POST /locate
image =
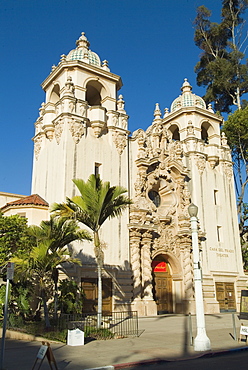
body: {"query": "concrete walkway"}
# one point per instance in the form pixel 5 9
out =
pixel 165 337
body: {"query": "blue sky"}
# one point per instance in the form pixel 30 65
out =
pixel 148 43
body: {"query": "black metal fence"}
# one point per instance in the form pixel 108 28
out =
pixel 114 325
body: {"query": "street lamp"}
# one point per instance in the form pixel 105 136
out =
pixel 201 342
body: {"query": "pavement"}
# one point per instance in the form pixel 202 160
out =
pixel 163 338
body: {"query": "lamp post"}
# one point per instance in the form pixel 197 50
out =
pixel 201 342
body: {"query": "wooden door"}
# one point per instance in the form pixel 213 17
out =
pixel 163 291
pixel 90 290
pixel 226 296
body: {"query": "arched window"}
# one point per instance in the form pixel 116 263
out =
pixel 55 95
pixel 155 197
pixel 204 135
pixel 93 93
pixel 174 129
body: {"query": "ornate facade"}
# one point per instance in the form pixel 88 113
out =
pixel 180 158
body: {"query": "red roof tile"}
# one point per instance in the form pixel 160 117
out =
pixel 34 199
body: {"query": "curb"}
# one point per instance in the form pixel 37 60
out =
pixel 161 361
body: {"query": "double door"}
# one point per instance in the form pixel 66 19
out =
pixel 225 295
pixel 163 291
pixel 90 290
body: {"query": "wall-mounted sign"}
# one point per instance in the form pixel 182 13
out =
pixel 159 266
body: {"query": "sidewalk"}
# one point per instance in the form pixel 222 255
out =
pixel 164 337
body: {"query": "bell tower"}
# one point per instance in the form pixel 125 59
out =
pixel 82 125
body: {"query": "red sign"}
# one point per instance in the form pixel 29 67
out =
pixel 159 266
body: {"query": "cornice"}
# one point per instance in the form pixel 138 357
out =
pixel 80 65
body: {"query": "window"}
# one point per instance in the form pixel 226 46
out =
pixel 97 169
pixel 155 197
pixel 219 233
pixel 22 215
pixel 215 197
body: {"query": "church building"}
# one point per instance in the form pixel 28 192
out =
pixel 182 157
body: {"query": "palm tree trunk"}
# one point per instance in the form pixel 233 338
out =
pixel 47 321
pixel 99 262
pixel 99 306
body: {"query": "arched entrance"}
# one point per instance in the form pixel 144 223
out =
pixel 162 284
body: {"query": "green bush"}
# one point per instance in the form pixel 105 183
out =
pixel 98 333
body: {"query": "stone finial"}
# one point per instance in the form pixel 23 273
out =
pixel 210 109
pixel 53 67
pixel 63 58
pixel 121 104
pixel 157 112
pixel 186 86
pixel 223 139
pixel 166 112
pixel 105 65
pixel 69 86
pixel 42 109
pixel 83 42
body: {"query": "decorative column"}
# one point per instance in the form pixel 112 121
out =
pixel 135 262
pixel 150 307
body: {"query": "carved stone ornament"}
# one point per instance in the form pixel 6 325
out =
pixel 120 141
pixel 166 241
pixel 190 129
pixel 58 129
pixel 201 163
pixel 228 170
pixel 69 86
pixel 82 110
pixel 77 129
pixel 37 145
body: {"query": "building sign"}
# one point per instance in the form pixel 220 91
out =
pixel 244 305
pixel 159 266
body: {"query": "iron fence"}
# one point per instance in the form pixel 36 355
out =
pixel 113 325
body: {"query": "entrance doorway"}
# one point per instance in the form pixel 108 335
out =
pixel 89 286
pixel 225 295
pixel 162 285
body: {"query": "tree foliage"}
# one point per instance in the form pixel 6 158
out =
pixel 97 202
pixel 14 236
pixel 222 67
pixel 49 250
pixel 236 130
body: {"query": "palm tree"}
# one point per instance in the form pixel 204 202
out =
pixel 97 202
pixel 49 251
pixel 61 232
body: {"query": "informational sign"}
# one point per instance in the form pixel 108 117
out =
pixel 159 266
pixel 45 351
pixel 244 330
pixel 42 352
pixel 10 270
pixel 75 337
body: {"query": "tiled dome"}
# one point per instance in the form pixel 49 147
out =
pixel 83 53
pixel 187 99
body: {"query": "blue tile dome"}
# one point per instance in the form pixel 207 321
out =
pixel 187 99
pixel 83 53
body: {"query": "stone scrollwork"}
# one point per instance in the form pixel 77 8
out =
pixel 120 141
pixel 77 129
pixel 37 145
pixel 228 170
pixel 58 129
pixel 201 163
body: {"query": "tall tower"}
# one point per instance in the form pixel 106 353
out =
pixel 82 127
